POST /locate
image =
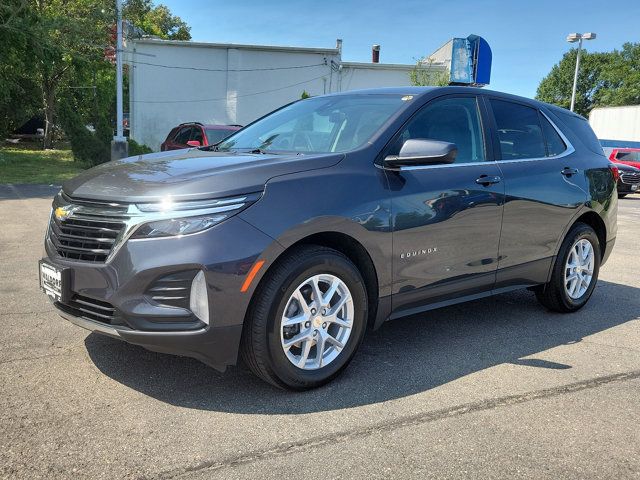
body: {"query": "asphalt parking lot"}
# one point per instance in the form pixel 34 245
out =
pixel 497 388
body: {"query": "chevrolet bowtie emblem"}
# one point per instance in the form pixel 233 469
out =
pixel 62 213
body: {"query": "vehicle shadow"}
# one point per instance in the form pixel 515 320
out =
pixel 404 357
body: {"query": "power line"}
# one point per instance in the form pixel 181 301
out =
pixel 225 98
pixel 202 69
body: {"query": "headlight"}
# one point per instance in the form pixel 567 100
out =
pixel 186 217
pixel 177 226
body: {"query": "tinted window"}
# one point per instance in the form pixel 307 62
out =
pixel 519 130
pixel 183 136
pixel 453 120
pixel 197 134
pixel 554 143
pixel 581 128
pixel 628 156
pixel 216 135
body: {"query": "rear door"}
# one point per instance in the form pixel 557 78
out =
pixel 446 218
pixel 545 187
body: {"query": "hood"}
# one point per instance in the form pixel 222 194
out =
pixel 626 163
pixel 188 174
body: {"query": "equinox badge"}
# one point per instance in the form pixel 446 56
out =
pixel 415 253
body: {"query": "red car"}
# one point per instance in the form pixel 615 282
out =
pixel 628 156
pixel 196 134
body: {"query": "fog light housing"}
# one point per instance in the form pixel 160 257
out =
pixel 198 298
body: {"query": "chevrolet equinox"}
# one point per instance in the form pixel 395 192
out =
pixel 285 242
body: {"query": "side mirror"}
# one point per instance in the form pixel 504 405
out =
pixel 419 151
pixel 193 143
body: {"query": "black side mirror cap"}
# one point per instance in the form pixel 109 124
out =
pixel 419 151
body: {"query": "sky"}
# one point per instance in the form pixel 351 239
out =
pixel 527 37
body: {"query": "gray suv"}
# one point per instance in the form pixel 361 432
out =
pixel 285 242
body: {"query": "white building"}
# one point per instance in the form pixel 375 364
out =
pixel 616 123
pixel 172 82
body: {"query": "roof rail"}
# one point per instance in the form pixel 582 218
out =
pixel 190 123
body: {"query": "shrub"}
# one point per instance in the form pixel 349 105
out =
pixel 88 148
pixel 137 149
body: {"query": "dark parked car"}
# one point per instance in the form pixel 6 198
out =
pixel 628 179
pixel 327 217
pixel 196 134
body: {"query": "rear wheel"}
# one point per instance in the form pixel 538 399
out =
pixel 575 271
pixel 307 319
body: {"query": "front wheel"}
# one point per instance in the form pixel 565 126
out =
pixel 307 319
pixel 575 271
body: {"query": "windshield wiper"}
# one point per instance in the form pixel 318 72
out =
pixel 210 148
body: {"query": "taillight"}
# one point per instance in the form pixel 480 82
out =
pixel 615 172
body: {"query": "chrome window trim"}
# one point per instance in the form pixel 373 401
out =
pixel 133 217
pixel 568 151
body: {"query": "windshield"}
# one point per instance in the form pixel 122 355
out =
pixel 319 125
pixel 214 135
pixel 628 156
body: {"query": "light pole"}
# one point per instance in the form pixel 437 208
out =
pixel 572 38
pixel 119 144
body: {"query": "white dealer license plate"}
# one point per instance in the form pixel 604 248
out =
pixel 52 281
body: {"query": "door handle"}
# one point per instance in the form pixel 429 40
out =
pixel 487 180
pixel 567 171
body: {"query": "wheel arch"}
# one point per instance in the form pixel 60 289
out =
pixel 354 251
pixel 594 220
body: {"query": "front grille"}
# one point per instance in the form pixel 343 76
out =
pixel 90 309
pixel 172 290
pixel 89 233
pixel 630 178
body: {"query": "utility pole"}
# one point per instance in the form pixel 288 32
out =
pixel 119 145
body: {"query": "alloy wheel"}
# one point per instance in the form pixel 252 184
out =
pixel 578 271
pixel 317 322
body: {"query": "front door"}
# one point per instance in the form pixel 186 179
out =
pixel 446 218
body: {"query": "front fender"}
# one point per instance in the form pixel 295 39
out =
pixel 352 203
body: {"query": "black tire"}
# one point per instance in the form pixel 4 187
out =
pixel 553 295
pixel 261 348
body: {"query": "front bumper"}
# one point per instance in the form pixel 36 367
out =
pixel 628 187
pixel 225 253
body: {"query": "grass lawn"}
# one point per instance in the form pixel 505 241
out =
pixel 25 164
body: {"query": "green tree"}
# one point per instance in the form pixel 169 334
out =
pixel 425 74
pixel 604 79
pixel 54 49
pixel 623 77
pixel 19 96
pixel 72 37
pixel 156 20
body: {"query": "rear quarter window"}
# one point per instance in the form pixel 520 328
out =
pixel 581 128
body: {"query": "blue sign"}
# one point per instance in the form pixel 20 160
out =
pixel 470 61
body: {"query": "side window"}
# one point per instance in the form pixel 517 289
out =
pixel 183 136
pixel 580 127
pixel 553 141
pixel 454 120
pixel 197 134
pixel 519 130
